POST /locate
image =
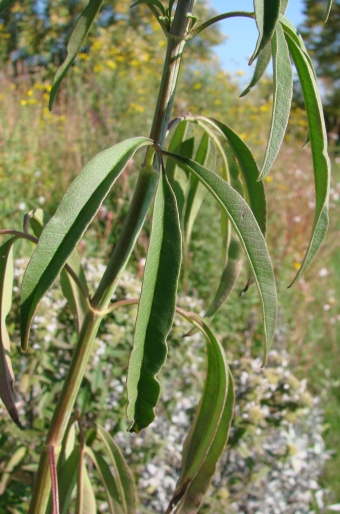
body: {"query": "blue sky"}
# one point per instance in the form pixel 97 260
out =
pixel 235 52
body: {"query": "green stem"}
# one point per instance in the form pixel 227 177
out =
pixel 133 223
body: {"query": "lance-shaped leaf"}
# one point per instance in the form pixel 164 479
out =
pixel 209 431
pixel 67 480
pixel 283 92
pixel 197 192
pixel 6 372
pixel 156 308
pixel 5 4
pixel 261 65
pixel 38 218
pixel 182 143
pixel 86 501
pixel 123 476
pixel 108 481
pixel 248 167
pixel 156 3
pixel 266 15
pixel 251 237
pixel 77 39
pixel 318 140
pixel 229 276
pixel 65 229
pixel 329 6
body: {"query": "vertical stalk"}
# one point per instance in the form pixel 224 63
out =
pixel 133 223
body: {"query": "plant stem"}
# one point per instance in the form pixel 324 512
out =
pixel 133 223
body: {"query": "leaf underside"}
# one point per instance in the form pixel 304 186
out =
pixel 65 229
pixel 266 15
pixel 156 308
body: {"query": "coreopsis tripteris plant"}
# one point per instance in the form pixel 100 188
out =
pixel 175 178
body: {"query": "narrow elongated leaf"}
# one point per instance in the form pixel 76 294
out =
pixel 283 92
pixel 107 480
pixel 182 143
pixel 67 480
pixel 266 14
pixel 318 140
pixel 77 39
pixel 248 167
pixel 5 4
pixel 229 277
pixel 13 462
pixel 251 237
pixel 329 6
pixel 197 191
pixel 156 3
pixel 209 431
pixel 261 65
pixel 156 309
pixel 86 498
pixel 38 218
pixel 123 476
pixel 63 232
pixel 6 372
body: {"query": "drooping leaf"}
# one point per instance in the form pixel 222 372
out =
pixel 6 372
pixel 248 167
pixel 8 469
pixel 65 229
pixel 329 6
pixel 261 65
pixel 283 92
pixel 67 480
pixel 86 497
pixel 182 143
pixel 197 192
pixel 318 140
pixel 5 4
pixel 77 39
pixel 266 15
pixel 156 309
pixel 156 3
pixel 123 476
pixel 251 237
pixel 38 218
pixel 229 276
pixel 108 481
pixel 209 431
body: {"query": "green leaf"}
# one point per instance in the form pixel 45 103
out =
pixel 261 65
pixel 65 229
pixel 6 372
pixel 248 167
pixel 229 277
pixel 38 218
pixel 124 478
pixel 197 191
pixel 283 92
pixel 182 143
pixel 86 497
pixel 5 4
pixel 156 309
pixel 210 429
pixel 8 469
pixel 251 237
pixel 156 3
pixel 318 141
pixel 266 14
pixel 283 7
pixel 67 479
pixel 77 39
pixel 107 480
pixel 329 6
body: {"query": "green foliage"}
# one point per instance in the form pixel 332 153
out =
pixel 183 181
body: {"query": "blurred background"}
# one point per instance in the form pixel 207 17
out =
pixel 284 453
